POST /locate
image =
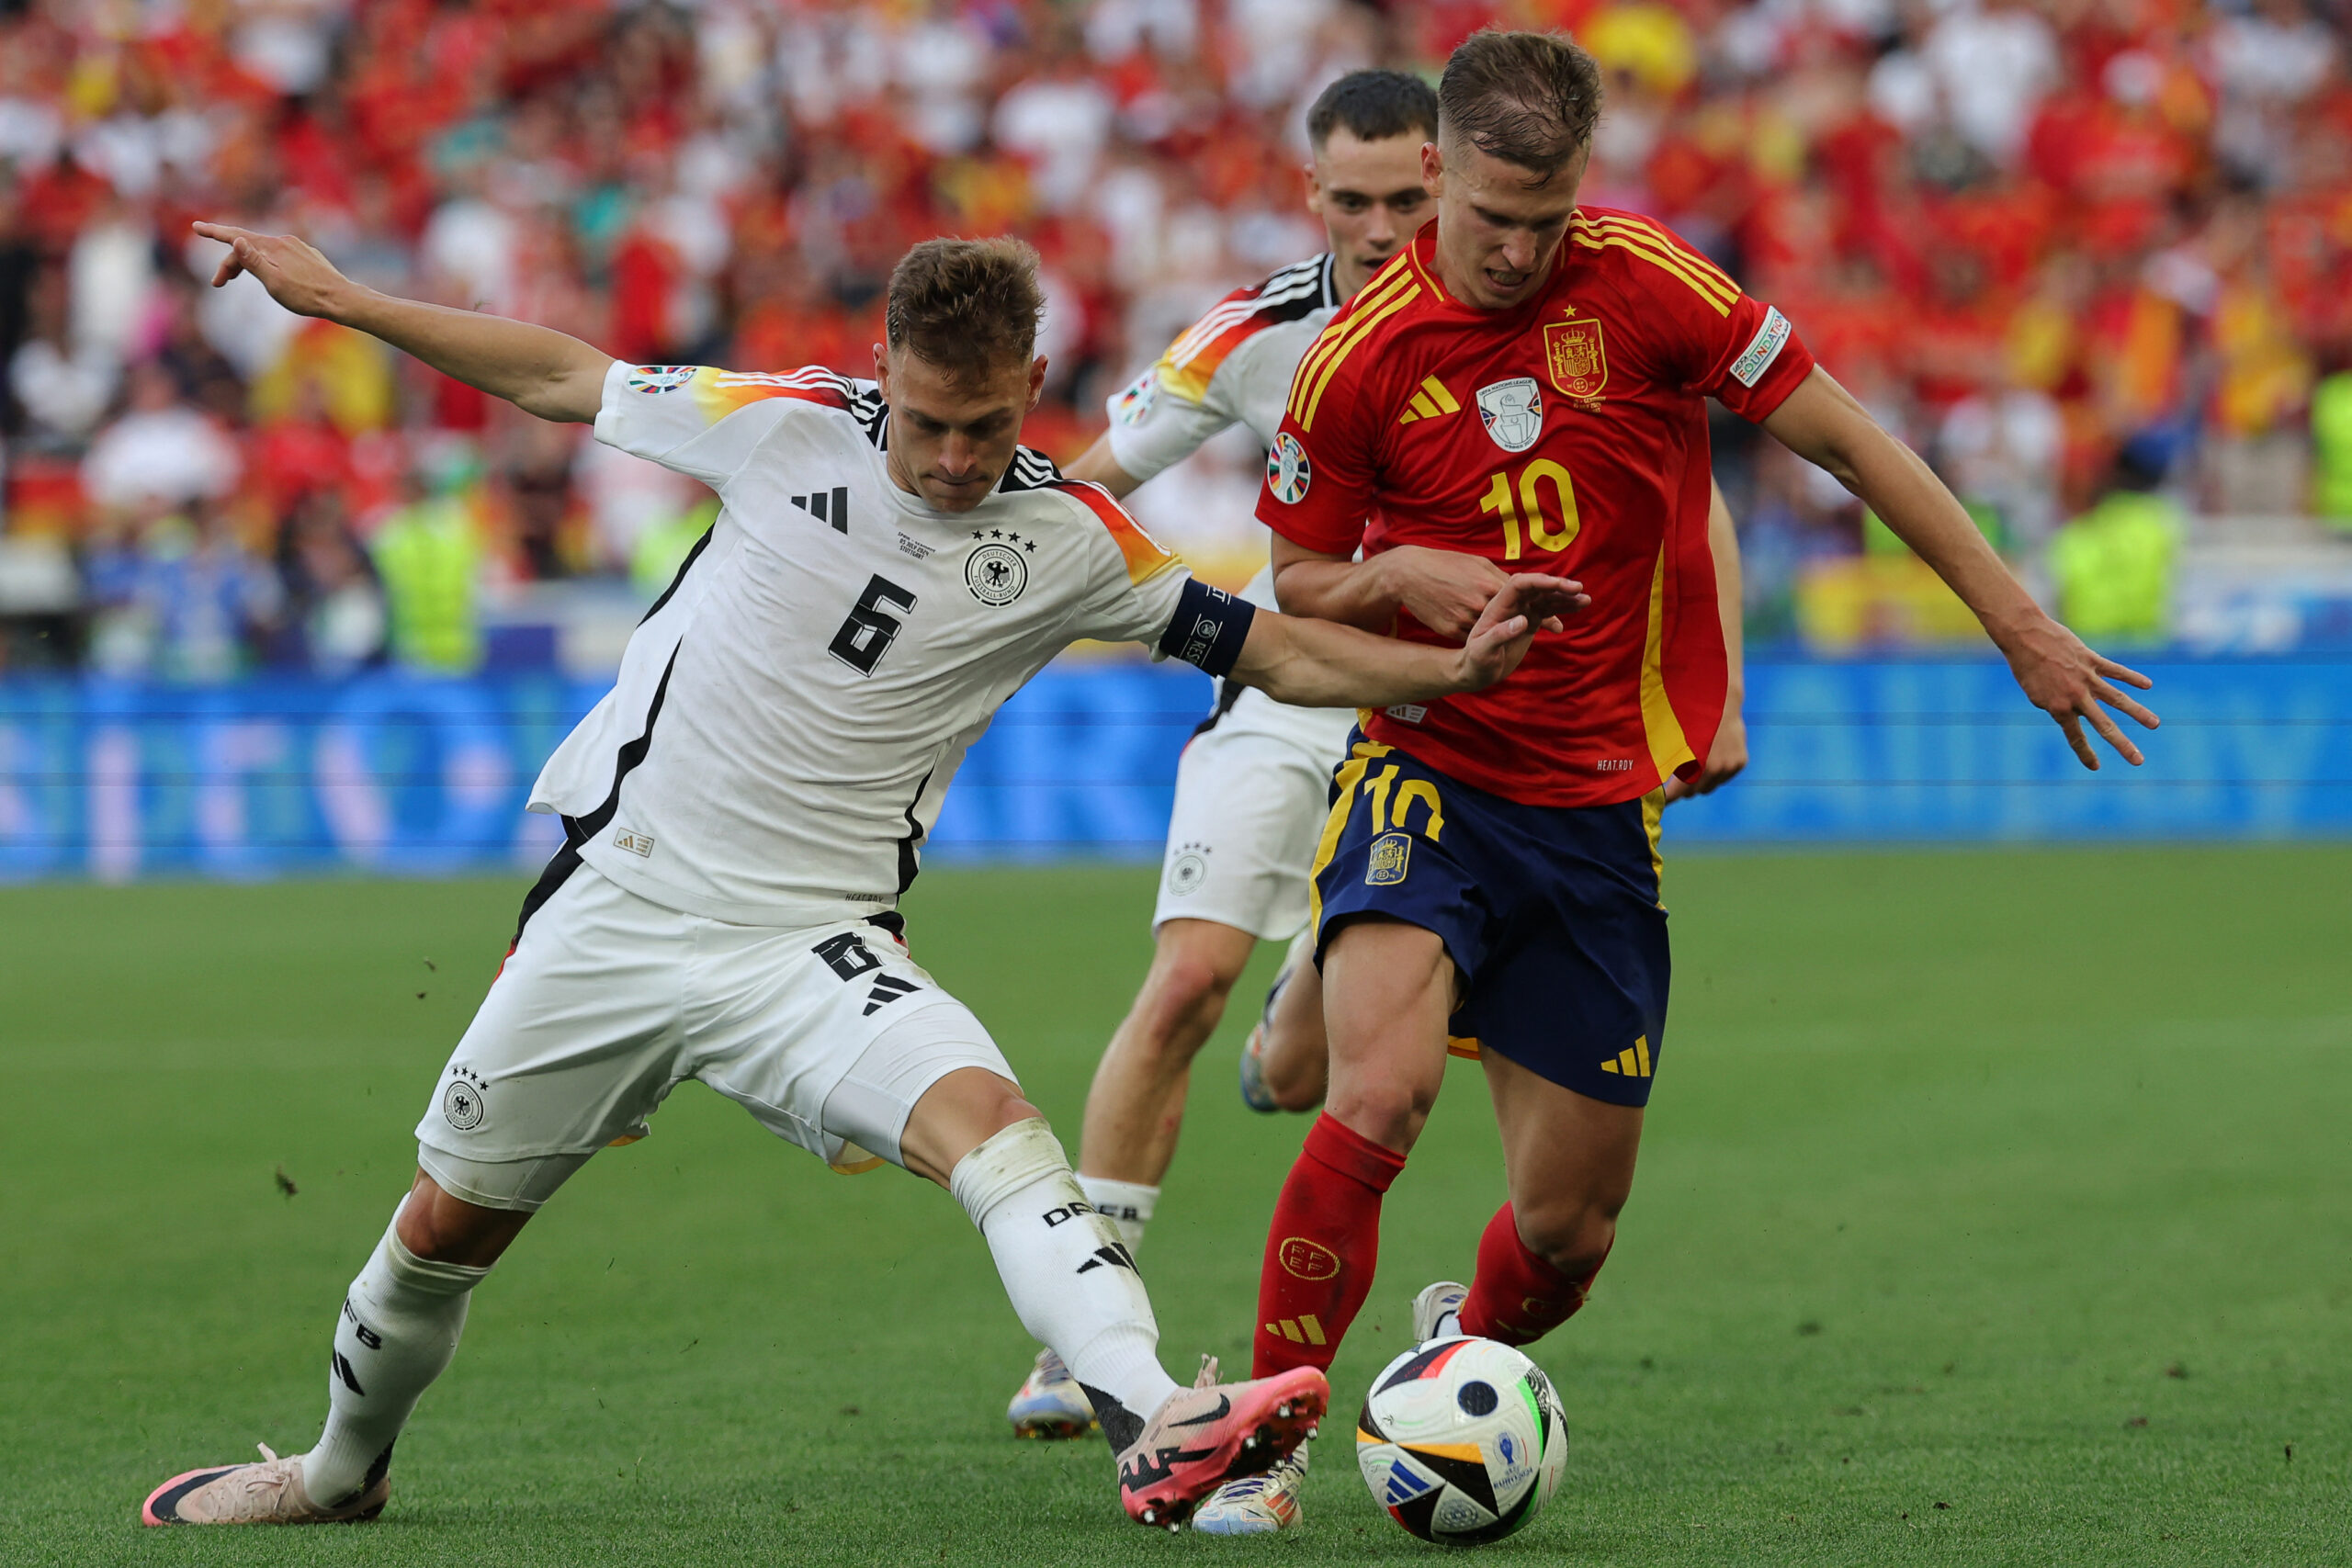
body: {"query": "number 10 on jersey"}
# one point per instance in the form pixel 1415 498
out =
pixel 1553 526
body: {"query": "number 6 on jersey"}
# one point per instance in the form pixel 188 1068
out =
pixel 867 635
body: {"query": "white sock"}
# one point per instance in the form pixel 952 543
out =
pixel 1070 1277
pixel 398 1328
pixel 1126 1204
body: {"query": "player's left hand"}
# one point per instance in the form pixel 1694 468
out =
pixel 1727 759
pixel 1507 627
pixel 2068 681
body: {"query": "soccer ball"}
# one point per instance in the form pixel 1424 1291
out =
pixel 1462 1440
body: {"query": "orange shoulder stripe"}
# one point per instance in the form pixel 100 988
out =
pixel 1145 558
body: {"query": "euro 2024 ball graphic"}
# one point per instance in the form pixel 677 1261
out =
pixel 1462 1440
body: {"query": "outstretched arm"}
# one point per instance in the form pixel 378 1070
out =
pixel 1821 423
pixel 1099 465
pixel 1315 663
pixel 537 370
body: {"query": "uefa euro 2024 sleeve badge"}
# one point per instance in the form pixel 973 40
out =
pixel 660 377
pixel 1513 412
pixel 1288 473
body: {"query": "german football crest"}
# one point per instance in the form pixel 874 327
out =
pixel 996 574
pixel 1513 412
pixel 1572 352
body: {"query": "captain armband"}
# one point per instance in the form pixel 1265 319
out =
pixel 1208 628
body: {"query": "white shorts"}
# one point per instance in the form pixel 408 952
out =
pixel 827 1036
pixel 1253 792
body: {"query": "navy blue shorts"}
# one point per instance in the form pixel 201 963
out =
pixel 1551 914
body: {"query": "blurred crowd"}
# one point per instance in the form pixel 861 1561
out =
pixel 2061 247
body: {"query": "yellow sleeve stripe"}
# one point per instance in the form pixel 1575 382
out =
pixel 1359 330
pixel 1660 239
pixel 1593 238
pixel 1342 336
pixel 1379 289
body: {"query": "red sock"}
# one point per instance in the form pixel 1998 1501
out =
pixel 1516 1297
pixel 1322 1247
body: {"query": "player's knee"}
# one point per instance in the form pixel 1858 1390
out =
pixel 440 1227
pixel 1572 1236
pixel 1183 1003
pixel 1389 1110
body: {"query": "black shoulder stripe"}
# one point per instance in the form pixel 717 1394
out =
pixel 1030 470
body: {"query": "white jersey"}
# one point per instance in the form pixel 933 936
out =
pixel 789 714
pixel 1234 366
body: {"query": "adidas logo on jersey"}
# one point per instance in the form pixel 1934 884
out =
pixel 832 509
pixel 1430 401
pixel 1633 1061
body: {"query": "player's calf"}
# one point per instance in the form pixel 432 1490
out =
pixel 1518 1295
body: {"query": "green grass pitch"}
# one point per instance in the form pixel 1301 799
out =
pixel 1997 1209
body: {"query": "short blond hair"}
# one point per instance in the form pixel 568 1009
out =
pixel 967 306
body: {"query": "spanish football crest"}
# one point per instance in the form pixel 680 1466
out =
pixel 1513 410
pixel 1572 352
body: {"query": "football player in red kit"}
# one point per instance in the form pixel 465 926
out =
pixel 1523 390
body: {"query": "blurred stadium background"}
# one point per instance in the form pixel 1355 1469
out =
pixel 272 599
pixel 1999 1198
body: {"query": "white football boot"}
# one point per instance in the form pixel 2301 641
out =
pixel 1256 1504
pixel 1253 1505
pixel 270 1493
pixel 1051 1404
pixel 1437 1311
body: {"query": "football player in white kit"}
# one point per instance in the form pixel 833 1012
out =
pixel 1253 787
pixel 743 810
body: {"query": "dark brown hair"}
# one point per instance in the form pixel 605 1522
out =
pixel 1373 106
pixel 967 305
pixel 1527 98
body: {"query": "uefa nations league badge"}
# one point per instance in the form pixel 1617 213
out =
pixel 1513 412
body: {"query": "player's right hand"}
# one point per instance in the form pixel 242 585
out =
pixel 296 275
pixel 1505 627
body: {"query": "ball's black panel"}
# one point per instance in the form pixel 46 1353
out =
pixel 1366 1422
pixel 1420 1365
pixel 1476 1397
pixel 1502 1527
pixel 1415 1516
pixel 1467 1476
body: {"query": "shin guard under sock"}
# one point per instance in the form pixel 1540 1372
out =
pixel 1321 1249
pixel 1517 1297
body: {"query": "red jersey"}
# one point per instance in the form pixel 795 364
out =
pixel 1566 435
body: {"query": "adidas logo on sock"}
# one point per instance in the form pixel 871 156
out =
pixel 888 988
pixel 1113 1255
pixel 1302 1330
